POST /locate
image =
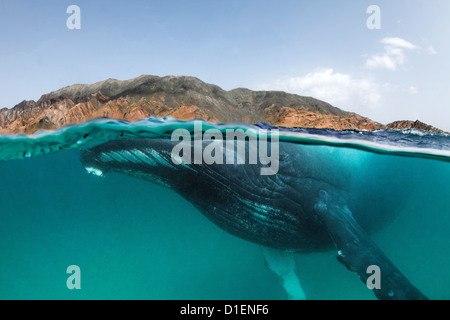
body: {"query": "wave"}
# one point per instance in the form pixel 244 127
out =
pixel 404 142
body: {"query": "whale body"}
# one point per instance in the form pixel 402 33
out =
pixel 306 206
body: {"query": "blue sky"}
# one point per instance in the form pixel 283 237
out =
pixel 316 48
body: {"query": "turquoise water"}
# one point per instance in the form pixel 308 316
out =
pixel 136 240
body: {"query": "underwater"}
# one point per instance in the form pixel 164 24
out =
pixel 85 196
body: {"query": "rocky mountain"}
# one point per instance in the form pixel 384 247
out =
pixel 183 98
pixel 407 124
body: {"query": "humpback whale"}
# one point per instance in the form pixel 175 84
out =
pixel 305 207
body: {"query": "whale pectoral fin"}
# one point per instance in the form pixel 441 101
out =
pixel 282 263
pixel 358 252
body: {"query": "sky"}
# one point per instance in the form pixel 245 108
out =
pixel 322 49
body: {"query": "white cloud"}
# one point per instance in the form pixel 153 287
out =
pixel 399 43
pixel 384 61
pixel 431 50
pixel 393 55
pixel 339 89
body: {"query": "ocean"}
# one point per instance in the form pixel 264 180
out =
pixel 133 239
